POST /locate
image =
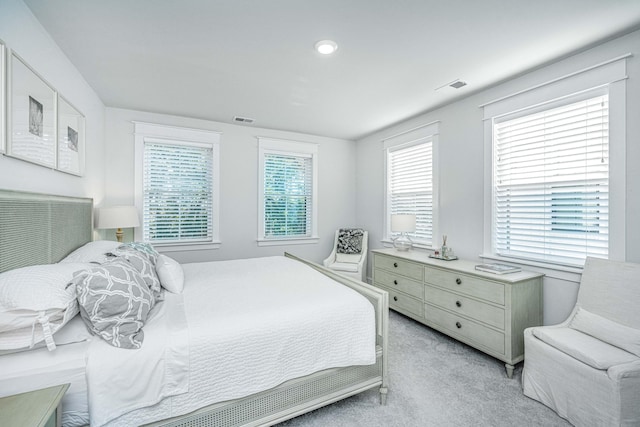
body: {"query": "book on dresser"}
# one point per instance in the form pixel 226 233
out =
pixel 486 311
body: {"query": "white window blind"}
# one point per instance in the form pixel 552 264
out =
pixel 178 192
pixel 288 195
pixel 410 186
pixel 551 183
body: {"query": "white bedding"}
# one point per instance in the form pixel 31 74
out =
pixel 256 323
pixel 252 325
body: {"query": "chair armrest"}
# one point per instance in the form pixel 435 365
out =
pixel 629 370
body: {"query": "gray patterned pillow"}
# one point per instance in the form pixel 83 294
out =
pixel 114 302
pixel 144 263
pixel 350 240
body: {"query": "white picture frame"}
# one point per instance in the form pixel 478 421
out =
pixel 3 97
pixel 31 115
pixel 71 133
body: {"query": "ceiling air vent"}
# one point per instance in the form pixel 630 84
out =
pixel 243 120
pixel 458 84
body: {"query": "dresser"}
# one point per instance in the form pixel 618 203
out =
pixel 39 408
pixel 484 310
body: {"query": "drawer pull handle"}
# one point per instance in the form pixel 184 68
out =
pixel 395 265
pixel 458 325
pixel 395 298
pixel 458 304
pixel 459 281
pixel 395 282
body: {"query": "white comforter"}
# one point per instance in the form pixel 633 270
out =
pixel 252 324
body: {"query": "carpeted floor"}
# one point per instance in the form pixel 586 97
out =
pixel 436 381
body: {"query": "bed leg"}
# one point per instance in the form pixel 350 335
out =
pixel 383 395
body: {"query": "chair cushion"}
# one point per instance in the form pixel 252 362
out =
pixel 350 258
pixel 583 347
pixel 607 330
pixel 350 241
pixel 344 266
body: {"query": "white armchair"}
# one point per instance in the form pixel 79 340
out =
pixel 587 368
pixel 348 257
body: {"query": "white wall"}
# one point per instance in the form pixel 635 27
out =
pixel 461 167
pixel 239 183
pixel 22 33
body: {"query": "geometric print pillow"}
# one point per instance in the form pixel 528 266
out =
pixel 145 264
pixel 350 240
pixel 114 302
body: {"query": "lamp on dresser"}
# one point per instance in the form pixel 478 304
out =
pixel 118 217
pixel 403 223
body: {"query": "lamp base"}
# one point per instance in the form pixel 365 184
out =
pixel 402 243
pixel 119 235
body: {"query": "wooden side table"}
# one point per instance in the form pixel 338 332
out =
pixel 39 408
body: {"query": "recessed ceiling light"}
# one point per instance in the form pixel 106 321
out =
pixel 326 47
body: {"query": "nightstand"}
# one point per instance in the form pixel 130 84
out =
pixel 39 408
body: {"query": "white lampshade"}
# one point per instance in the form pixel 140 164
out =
pixel 403 223
pixel 118 217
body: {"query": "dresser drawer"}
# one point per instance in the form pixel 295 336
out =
pixel 460 327
pixel 404 302
pixel 477 310
pixel 399 283
pixel 470 285
pixel 399 266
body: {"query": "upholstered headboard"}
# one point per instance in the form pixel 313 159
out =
pixel 41 228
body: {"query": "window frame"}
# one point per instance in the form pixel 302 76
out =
pixel 293 149
pixel 607 76
pixel 148 132
pixel 421 134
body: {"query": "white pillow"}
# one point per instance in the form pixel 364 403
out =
pixel 92 252
pixel 607 330
pixel 73 332
pixel 170 274
pixel 350 258
pixel 35 302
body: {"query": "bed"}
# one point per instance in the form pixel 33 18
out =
pixel 43 229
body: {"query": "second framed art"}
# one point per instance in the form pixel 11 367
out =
pixel 70 138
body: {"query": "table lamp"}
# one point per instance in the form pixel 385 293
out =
pixel 403 223
pixel 118 217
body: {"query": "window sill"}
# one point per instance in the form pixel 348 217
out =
pixel 289 241
pixel 181 247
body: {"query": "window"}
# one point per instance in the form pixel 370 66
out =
pixel 551 182
pixel 176 184
pixel 410 181
pixel 287 202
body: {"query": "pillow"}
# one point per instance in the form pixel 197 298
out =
pixel 170 274
pixel 114 302
pixel 73 332
pixel 607 330
pixel 144 248
pixel 92 252
pixel 35 302
pixel 350 240
pixel 145 264
pixel 348 258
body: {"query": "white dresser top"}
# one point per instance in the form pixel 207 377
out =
pixel 459 265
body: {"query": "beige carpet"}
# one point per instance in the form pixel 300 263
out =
pixel 436 381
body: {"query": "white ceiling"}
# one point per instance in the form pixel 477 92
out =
pixel 214 59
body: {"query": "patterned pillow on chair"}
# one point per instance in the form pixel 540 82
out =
pixel 350 240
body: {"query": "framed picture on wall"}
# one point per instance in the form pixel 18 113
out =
pixel 3 97
pixel 70 138
pixel 31 118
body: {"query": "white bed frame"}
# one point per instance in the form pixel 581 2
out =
pixel 40 229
